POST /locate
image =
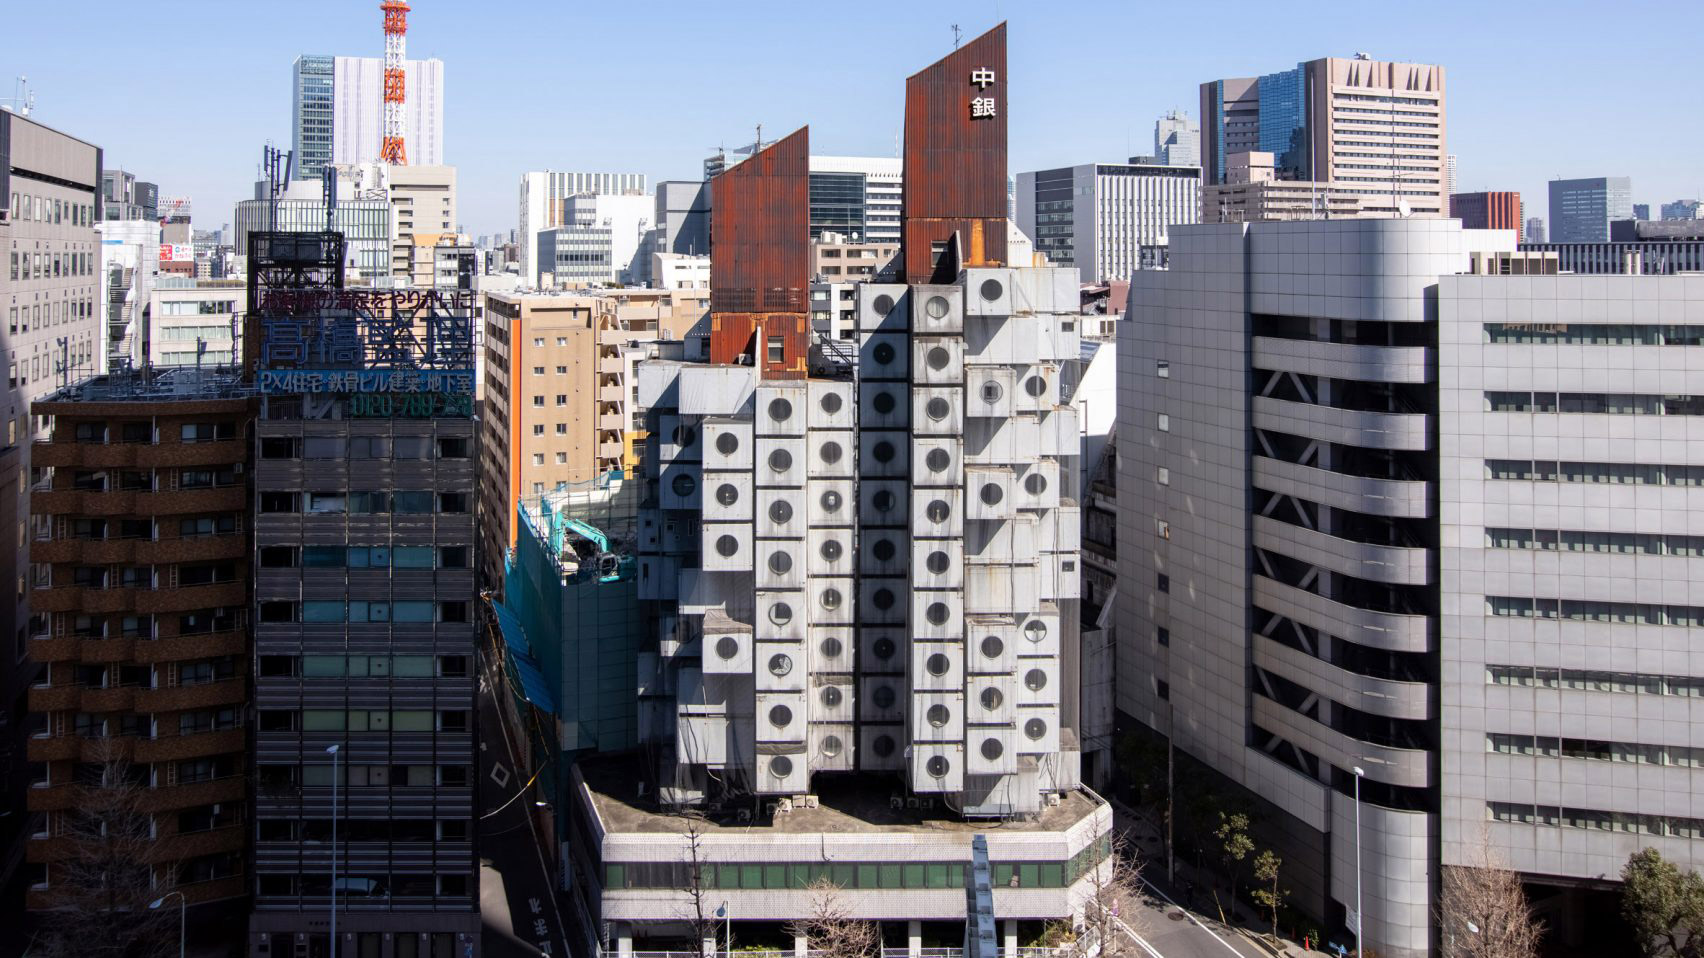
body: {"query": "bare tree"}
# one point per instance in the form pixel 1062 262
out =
pixel 830 931
pixel 102 889
pixel 702 919
pixel 1112 904
pixel 1483 911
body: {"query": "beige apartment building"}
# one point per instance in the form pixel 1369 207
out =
pixel 1370 128
pixel 559 386
pixel 423 215
pixel 1252 193
pixel 836 260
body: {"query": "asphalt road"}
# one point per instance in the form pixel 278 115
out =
pixel 1163 929
pixel 517 899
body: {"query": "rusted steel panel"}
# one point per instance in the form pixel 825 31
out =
pixel 777 343
pixel 760 260
pixel 955 156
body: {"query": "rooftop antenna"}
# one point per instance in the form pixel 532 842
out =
pixel 956 35
pixel 23 98
pixel 328 188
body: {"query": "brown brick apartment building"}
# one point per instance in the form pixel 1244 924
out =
pixel 140 584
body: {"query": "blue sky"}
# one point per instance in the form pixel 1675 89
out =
pixel 185 92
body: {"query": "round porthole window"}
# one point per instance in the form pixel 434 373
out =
pixel 992 493
pixel 780 410
pixel 937 408
pixel 937 562
pixel 991 698
pixel 780 460
pixel 683 485
pixel 882 746
pixel 991 392
pixel 992 646
pixel 1035 728
pixel 884 501
pixel 830 501
pixel 831 745
pixel 992 289
pixel 831 648
pixel 937 664
pixel 1036 631
pixel 780 613
pixel 830 599
pixel 781 512
pixel 727 443
pixel 884 648
pixel 727 494
pixel 780 716
pixel 726 546
pixel 831 696
pixel 882 599
pixel 937 613
pixel 992 749
pixel 883 550
pixel 937 307
pixel 883 304
pixel 937 766
pixel 883 697
pixel 831 452
pixel 938 460
pixel 883 451
pixel 1035 483
pixel 1035 680
pixel 780 766
pixel 938 715
pixel 829 403
pixel 883 403
pixel 1035 386
pixel 883 353
pixel 727 646
pixel 830 550
pixel 938 511
pixel 780 563
pixel 938 358
pixel 780 664
pixel 685 436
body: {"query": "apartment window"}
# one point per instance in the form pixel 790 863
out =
pixel 452 502
pixel 561 458
pixel 562 370
pixel 538 458
pixel 1164 582
pixel 1164 422
pixel 539 430
pixel 1163 688
pixel 1164 476
pixel 1162 369
pixel 560 341
pixel 452 447
pixel 777 349
pixel 561 399
pixel 538 370
pixel 539 341
pixel 561 429
pixel 209 431
pixel 452 557
pixel 1163 636
pixel 538 401
pixel 280 447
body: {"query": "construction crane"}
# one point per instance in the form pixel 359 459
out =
pixel 393 151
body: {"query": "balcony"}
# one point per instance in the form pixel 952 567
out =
pixel 99 651
pixel 188 697
pixel 1376 497
pixel 88 455
pixel 197 745
pixel 614 393
pixel 1393 766
pixel 1391 631
pixel 116 551
pixel 54 748
pixel 171 848
pixel 117 699
pixel 179 648
pixel 189 597
pixel 193 795
pixel 1376 364
pixel 1383 697
pixel 1402 565
pixel 1350 427
pixel 47 648
pixel 83 502
pixel 60 698
pixel 43 797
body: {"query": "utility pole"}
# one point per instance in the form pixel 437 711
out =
pixel 1171 752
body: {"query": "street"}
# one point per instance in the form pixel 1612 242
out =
pixel 516 891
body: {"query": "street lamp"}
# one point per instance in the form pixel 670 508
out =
pixel 183 908
pixel 332 751
pixel 1360 918
pixel 727 915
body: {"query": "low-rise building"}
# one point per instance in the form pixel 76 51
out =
pixel 194 322
pixel 1252 193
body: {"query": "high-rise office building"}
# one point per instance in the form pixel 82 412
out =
pixel 124 197
pixel 1370 127
pixel 683 217
pixel 1097 217
pixel 366 598
pixel 313 86
pixel 1641 211
pixel 139 597
pixel 858 197
pixel 860 585
pixel 544 204
pixel 1177 140
pixel 1682 210
pixel 1288 626
pixel 1534 230
pixel 1488 211
pixel 1581 210
pixel 1450 175
pixel 50 201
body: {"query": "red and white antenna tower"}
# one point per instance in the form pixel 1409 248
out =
pixel 393 151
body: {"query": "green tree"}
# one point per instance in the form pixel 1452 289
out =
pixel 1268 895
pixel 1665 906
pixel 1234 846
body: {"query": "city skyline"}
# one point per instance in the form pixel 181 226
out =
pixel 497 105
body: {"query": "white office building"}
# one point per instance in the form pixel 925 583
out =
pixel 358 115
pixel 544 199
pixel 857 196
pixel 195 322
pixel 129 268
pixel 1097 217
pixel 1177 140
